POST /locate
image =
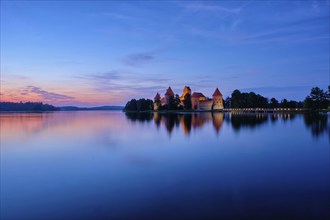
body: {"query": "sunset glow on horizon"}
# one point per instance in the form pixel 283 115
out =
pixel 93 53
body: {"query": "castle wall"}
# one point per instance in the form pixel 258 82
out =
pixel 217 103
pixel 205 105
pixel 195 103
pixel 198 100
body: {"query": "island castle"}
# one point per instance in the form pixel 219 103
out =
pixel 198 100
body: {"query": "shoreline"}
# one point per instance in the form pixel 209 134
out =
pixel 186 111
pixel 259 110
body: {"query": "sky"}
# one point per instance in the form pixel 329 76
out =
pixel 93 53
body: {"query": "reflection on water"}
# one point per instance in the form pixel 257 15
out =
pixel 239 121
pixel 317 123
pixel 115 165
pixel 139 117
pixel 186 121
pixel 31 123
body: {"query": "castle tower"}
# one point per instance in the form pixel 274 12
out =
pixel 169 93
pixel 217 100
pixel 157 101
pixel 186 90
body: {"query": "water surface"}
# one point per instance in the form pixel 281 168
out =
pixel 112 165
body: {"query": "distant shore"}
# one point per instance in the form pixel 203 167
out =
pixel 259 110
pixel 178 111
pixel 41 107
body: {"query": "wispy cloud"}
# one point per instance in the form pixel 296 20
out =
pixel 291 25
pixel 122 84
pixel 119 16
pixel 113 15
pixel 105 76
pixel 34 94
pixel 46 95
pixel 138 59
pixel 206 7
pixel 141 58
pixel 287 34
pixel 13 79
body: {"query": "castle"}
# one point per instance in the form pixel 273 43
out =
pixel 198 100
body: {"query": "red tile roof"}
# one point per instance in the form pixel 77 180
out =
pixel 157 97
pixel 217 93
pixel 169 91
pixel 197 95
pixel 187 88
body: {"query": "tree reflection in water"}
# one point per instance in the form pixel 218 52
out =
pixel 187 121
pixel 317 123
pixel 241 120
pixel 139 116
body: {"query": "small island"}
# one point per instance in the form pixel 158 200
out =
pixel 317 100
pixel 188 101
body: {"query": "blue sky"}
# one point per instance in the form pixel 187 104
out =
pixel 89 53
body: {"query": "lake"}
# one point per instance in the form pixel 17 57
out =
pixel 112 165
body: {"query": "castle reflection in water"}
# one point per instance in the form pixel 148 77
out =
pixel 318 124
pixel 188 121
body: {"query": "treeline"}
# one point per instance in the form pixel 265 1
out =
pixel 174 103
pixel 148 105
pixel 139 105
pixel 26 106
pixel 316 100
pixel 253 100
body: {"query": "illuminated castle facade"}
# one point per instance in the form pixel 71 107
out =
pixel 198 100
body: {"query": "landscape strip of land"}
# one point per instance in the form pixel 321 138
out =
pixel 41 107
pixel 317 100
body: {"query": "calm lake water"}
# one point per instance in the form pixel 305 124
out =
pixel 112 165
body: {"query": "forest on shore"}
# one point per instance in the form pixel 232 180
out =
pixel 27 106
pixel 40 107
pixel 318 99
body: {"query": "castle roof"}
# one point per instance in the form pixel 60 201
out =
pixel 186 90
pixel 197 95
pixel 157 97
pixel 217 93
pixel 187 87
pixel 169 91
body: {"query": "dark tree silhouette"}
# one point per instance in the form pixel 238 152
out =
pixel 174 103
pixel 187 105
pixel 318 99
pixel 139 105
pixel 273 103
pixel 284 103
pixel 131 105
pixel 227 102
pixel 248 100
pixel 236 99
pixel 27 106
